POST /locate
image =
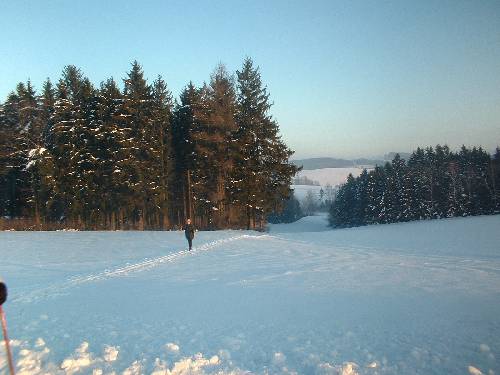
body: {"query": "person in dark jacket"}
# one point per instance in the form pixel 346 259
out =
pixel 189 232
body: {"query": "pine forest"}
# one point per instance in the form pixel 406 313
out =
pixel 129 156
pixel 434 183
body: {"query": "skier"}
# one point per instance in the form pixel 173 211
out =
pixel 189 232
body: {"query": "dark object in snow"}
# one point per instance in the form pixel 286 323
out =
pixel 189 232
pixel 3 298
pixel 3 293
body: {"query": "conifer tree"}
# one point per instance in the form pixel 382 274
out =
pixel 137 107
pixel 435 183
pixel 64 148
pixel 495 179
pixel 361 199
pixel 114 149
pixel 261 175
pixel 484 191
pixel 343 210
pixel 214 143
pixel 47 101
pixel 292 211
pixel 9 120
pixel 29 124
pixel 162 150
pixel 441 181
pixel 400 190
pixel 103 158
pixel 88 159
pixel 202 174
pixel 27 142
pixel 418 174
pixel 186 134
pixel 40 170
pixel 39 166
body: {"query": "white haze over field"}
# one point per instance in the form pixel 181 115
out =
pixel 332 176
pixel 300 191
pixel 324 176
pixel 412 298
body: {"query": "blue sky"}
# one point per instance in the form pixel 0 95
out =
pixel 351 78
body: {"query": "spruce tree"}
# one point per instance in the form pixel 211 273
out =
pixel 418 174
pixel 27 142
pixel 47 101
pixel 377 196
pixel 189 188
pixel 9 120
pixel 400 186
pixel 114 149
pixel 261 175
pixel 63 134
pixel 435 183
pixel 203 173
pixel 213 139
pixel 466 178
pixel 495 179
pixel 361 199
pixel 292 211
pixel 343 210
pixel 162 151
pixel 484 191
pixel 442 180
pixel 137 108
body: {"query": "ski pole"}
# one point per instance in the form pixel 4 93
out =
pixel 3 297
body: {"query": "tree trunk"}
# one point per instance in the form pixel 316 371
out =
pixel 113 220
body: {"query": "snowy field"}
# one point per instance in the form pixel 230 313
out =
pixel 414 298
pixel 332 176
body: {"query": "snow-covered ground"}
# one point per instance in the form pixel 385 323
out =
pixel 414 298
pixel 332 176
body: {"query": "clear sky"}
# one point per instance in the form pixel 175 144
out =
pixel 350 78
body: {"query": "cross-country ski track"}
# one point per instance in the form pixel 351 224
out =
pixel 146 264
pixel 407 298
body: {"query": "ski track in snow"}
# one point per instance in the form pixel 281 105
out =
pixel 360 301
pixel 454 272
pixel 59 288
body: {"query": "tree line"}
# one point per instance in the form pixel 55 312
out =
pixel 88 157
pixel 434 183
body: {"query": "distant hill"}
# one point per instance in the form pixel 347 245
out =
pixel 320 163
